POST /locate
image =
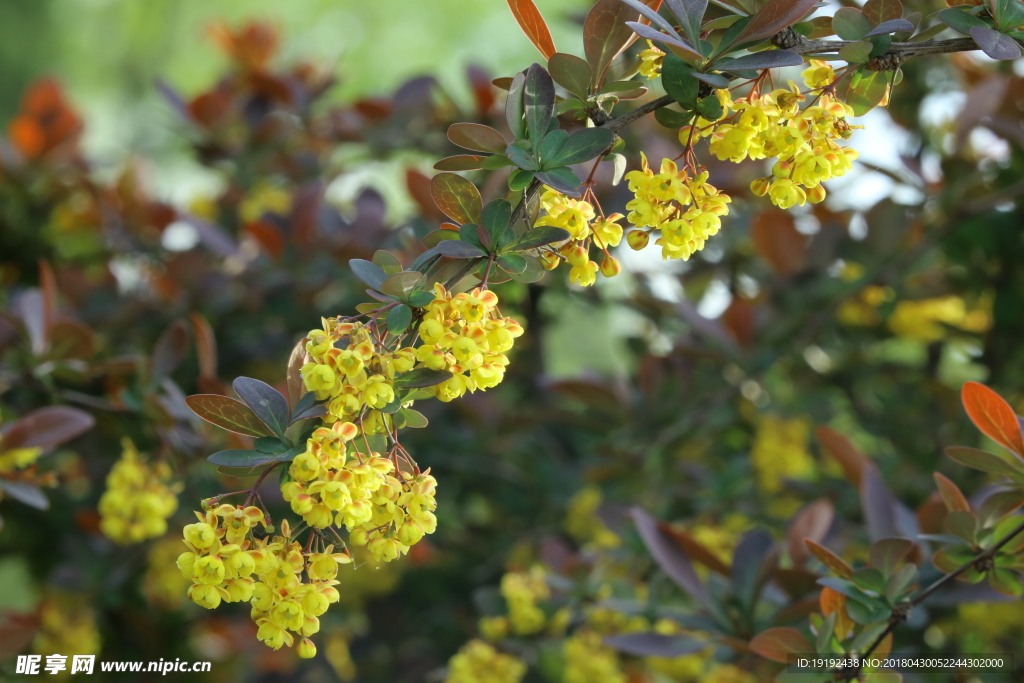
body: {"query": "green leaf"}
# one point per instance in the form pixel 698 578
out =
pixel 856 53
pixel 984 461
pixel 900 581
pixel 514 106
pixel 496 217
pixel 370 273
pixel 581 146
pixel 401 284
pixel 572 73
pixel 457 197
pixel 539 237
pixel 228 413
pixel 400 316
pixel 433 238
pixel 710 108
pixel 551 144
pixel 961 524
pixel 413 418
pixel 421 377
pixel 520 179
pixel 671 118
pixel 849 23
pixel 270 445
pixel 714 80
pixel 534 271
pixel 496 161
pixel 961 21
pixel 538 102
pixel 470 234
pixel 869 579
pixel 868 91
pixel 420 298
pixel 378 443
pixel 621 86
pixel 521 158
pixel 561 179
pixel 477 137
pixel 241 458
pixel 1009 14
pixel 678 81
pixel 512 263
pixel 388 262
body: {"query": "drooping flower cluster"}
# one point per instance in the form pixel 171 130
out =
pixel 588 659
pixel 139 498
pixel 522 591
pixel 780 452
pixel 804 142
pixel 478 662
pixel 577 217
pixel 223 555
pixel 685 208
pixel 383 508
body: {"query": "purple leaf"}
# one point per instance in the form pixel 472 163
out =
pixel 878 504
pixel 645 31
pixel 654 645
pixel 670 557
pixel 769 59
pixel 995 44
pixel 891 26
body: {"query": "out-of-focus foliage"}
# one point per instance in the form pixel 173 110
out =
pixel 798 378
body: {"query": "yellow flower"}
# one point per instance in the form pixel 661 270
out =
pixel 138 500
pixel 651 60
pixel 479 662
pixel 818 74
pixel 780 452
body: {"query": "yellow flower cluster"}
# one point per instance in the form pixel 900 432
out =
pixel 588 659
pixel 67 625
pixel 223 555
pixel 780 452
pixel 684 208
pixel 139 498
pixel 583 522
pixel 384 509
pixel 461 333
pixel 522 591
pixel 925 319
pixel 650 61
pixel 577 217
pixel 803 142
pixel 478 662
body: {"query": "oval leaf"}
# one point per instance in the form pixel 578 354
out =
pixel 891 26
pixel 459 249
pixel 398 319
pixel 46 428
pixel 995 44
pixel 477 137
pixel 769 59
pixel 228 413
pixel 991 414
pixel 538 237
pixel 457 197
pixel 772 18
pixel 369 272
pixel 654 645
pixel 571 72
pixel 606 33
pixel 777 644
pixel 421 377
pixel 581 146
pixel 241 458
pixel 460 162
pixel 270 406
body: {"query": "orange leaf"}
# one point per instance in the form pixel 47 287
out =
pixel 812 522
pixel 951 494
pixel 532 23
pixel 993 416
pixel 834 601
pixel 27 136
pixel 739 320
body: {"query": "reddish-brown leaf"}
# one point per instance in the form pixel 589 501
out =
pixel 605 34
pixel 828 558
pixel 268 236
pixel 71 340
pixel 772 18
pixel 777 643
pixel 846 454
pixel 993 416
pixel 169 351
pixel 877 11
pixel 46 428
pixel 778 241
pixel 931 514
pixel 951 494
pixel 228 413
pixel 48 286
pixel 738 319
pixel 813 522
pixel 670 557
pixel 532 23
pixel 419 189
pixel 457 197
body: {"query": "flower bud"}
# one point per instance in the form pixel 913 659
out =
pixel 610 267
pixel 760 186
pixel 782 169
pixel 549 260
pixel 816 194
pixel 306 649
pixel 637 239
pixel 578 256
